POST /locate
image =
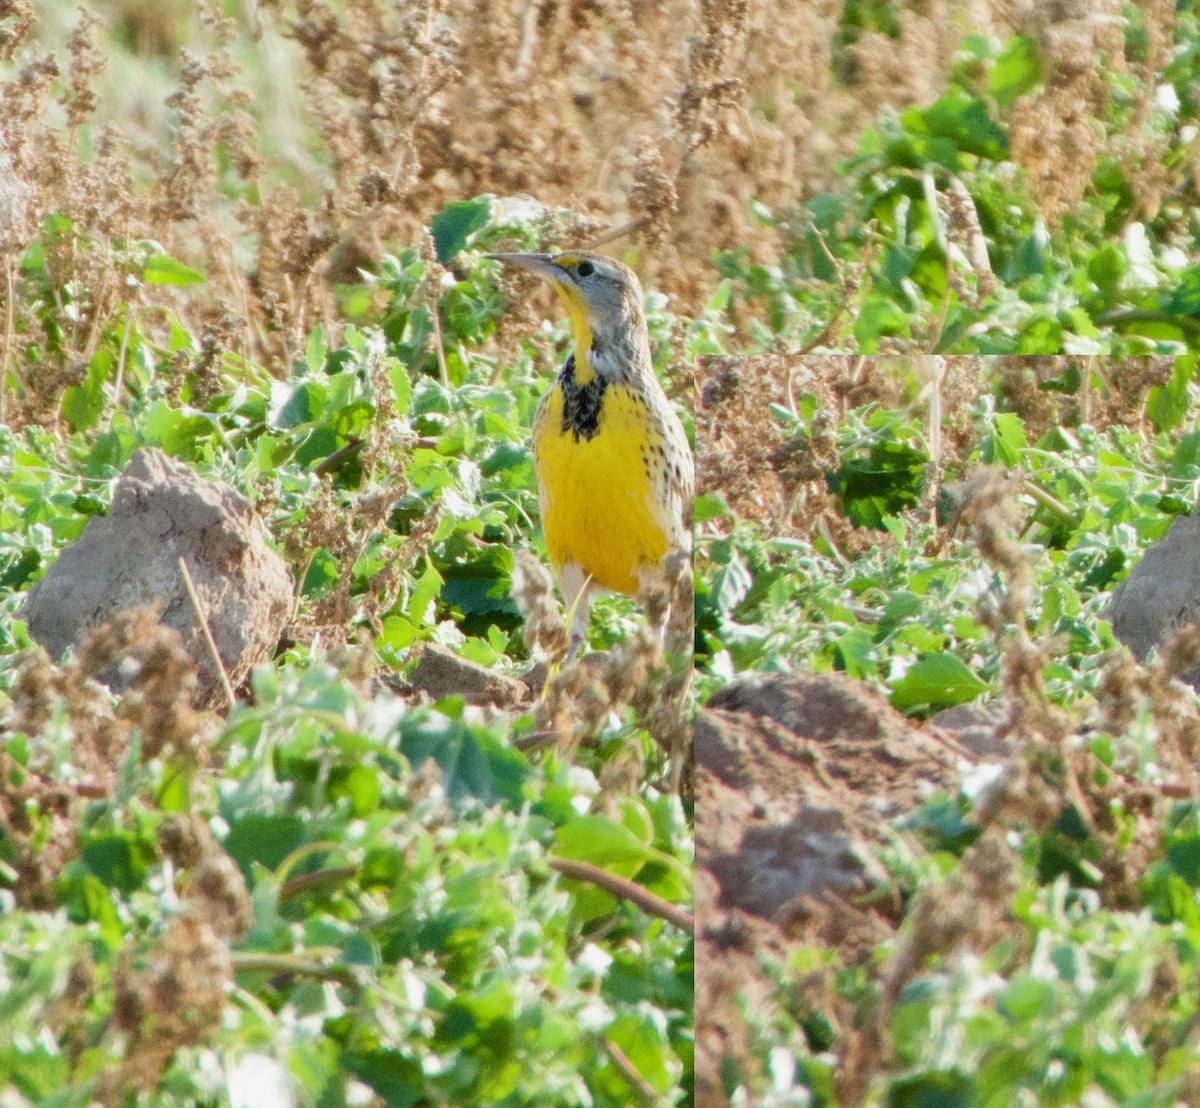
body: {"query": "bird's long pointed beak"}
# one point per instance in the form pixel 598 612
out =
pixel 541 264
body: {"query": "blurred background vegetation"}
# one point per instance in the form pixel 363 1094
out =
pixel 957 175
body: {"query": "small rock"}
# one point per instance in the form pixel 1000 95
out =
pixel 978 728
pixel 440 672
pixel 163 511
pixel 1161 593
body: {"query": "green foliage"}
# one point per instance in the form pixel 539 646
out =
pixel 396 919
pixel 882 484
pixel 940 237
pixel 935 681
pixel 1017 70
pixel 456 224
pixel 905 613
pixel 160 269
pixel 1053 1023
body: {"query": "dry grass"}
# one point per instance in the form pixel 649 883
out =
pixel 281 147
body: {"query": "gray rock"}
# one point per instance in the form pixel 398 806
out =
pixel 440 672
pixel 162 511
pixel 1161 593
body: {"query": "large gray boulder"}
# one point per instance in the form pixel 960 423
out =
pixel 162 511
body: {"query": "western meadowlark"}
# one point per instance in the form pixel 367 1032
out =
pixel 614 469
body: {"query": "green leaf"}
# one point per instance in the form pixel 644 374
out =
pixel 396 1078
pixel 456 223
pixel 642 1039
pixel 884 483
pixel 1042 335
pixel 936 681
pixel 900 606
pixel 854 652
pixel 1185 297
pixel 1069 381
pixel 1101 574
pixel 1025 998
pixel 83 405
pixel 318 446
pixel 267 840
pixel 175 431
pixel 322 574
pixel 480 588
pixel 292 406
pixel 426 592
pixel 1171 897
pixel 397 634
pixel 879 316
pixel 603 842
pixel 1030 259
pixel 1107 267
pixel 474 761
pixel 1007 440
pixel 1167 405
pixel 506 456
pixel 315 354
pixel 934 1089
pixel 110 452
pixel 731 583
pixel 360 785
pixel 1018 70
pixel 1183 856
pixel 964 122
pixel 942 825
pixel 401 385
pixel 710 506
pixel 162 269
pixel 16 573
pixel 87 899
pixel 119 860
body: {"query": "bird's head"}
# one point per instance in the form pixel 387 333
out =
pixel 604 300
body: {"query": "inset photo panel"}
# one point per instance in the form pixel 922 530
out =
pixel 946 736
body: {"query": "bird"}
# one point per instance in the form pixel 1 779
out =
pixel 615 472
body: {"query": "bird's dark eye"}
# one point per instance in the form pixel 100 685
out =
pixel 585 269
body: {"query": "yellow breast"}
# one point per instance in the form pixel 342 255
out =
pixel 604 500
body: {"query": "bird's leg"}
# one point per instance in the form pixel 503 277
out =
pixel 661 629
pixel 576 588
pixel 577 639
